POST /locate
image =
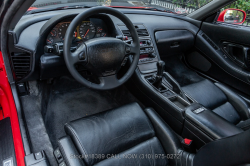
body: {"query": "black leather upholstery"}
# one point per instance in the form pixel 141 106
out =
pixel 230 151
pixel 214 126
pixel 220 100
pixel 126 130
pixel 129 131
pixel 67 148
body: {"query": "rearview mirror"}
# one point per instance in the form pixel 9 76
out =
pixel 233 16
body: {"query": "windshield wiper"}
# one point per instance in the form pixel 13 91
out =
pixel 39 10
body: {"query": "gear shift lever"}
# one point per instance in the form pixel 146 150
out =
pixel 158 77
pixel 160 68
pixel 157 80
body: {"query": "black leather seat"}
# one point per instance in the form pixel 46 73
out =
pixel 221 100
pixel 128 136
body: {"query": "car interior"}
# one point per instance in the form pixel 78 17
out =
pixel 123 86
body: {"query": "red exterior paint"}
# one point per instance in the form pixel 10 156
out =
pixel 9 110
pixel 222 14
pixel 32 8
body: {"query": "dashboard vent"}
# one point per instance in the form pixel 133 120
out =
pixel 21 64
pixel 141 31
pixel 126 33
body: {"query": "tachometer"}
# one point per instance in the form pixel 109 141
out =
pixel 87 30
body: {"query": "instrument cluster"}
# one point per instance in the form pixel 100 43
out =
pixel 88 29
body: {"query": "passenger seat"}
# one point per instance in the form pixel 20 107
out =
pixel 221 100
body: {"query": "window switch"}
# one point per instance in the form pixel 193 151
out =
pixel 58 155
pixel 38 156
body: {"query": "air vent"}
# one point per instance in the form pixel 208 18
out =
pixel 209 41
pixel 126 33
pixel 21 64
pixel 141 31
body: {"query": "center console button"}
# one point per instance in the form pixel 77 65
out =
pixel 199 110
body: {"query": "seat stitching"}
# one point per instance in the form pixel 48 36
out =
pixel 61 147
pixel 153 162
pixel 72 130
pixel 130 148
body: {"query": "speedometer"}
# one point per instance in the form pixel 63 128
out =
pixel 62 30
pixel 87 30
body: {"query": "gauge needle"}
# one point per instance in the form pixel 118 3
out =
pixel 49 41
pixel 51 33
pixel 86 33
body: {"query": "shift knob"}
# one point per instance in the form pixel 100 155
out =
pixel 160 68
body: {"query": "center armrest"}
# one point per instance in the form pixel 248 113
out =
pixel 210 123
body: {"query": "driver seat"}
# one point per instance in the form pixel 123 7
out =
pixel 130 136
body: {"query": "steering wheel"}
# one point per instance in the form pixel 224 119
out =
pixel 101 56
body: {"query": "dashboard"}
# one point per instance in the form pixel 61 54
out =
pixel 35 32
pixel 87 29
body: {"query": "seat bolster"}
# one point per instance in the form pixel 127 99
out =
pixel 238 103
pixel 186 159
pixel 164 133
pixel 69 152
pixel 233 150
pixel 245 125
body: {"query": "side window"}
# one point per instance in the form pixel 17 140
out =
pixel 236 13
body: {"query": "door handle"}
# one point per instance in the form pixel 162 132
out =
pixel 238 53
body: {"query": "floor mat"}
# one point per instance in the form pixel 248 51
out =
pixel 39 138
pixel 70 101
pixel 183 75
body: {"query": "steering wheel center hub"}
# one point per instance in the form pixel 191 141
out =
pixel 102 56
pixel 105 55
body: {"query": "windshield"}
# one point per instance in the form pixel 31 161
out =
pixel 172 6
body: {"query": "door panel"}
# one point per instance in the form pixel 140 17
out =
pixel 226 47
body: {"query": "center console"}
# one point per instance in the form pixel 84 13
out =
pixel 158 89
pixel 187 117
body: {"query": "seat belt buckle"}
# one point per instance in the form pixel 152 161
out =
pixel 188 145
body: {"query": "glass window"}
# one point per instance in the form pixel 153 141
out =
pixel 172 6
